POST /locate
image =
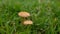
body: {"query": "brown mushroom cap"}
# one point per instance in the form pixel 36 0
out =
pixel 27 22
pixel 24 14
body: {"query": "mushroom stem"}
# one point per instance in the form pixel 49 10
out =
pixel 24 19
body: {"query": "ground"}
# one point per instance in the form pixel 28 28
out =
pixel 45 15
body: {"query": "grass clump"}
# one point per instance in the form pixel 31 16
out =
pixel 45 15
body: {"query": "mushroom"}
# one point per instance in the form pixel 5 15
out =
pixel 28 22
pixel 24 14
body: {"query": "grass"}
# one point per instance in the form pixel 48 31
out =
pixel 45 15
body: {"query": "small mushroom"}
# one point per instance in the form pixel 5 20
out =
pixel 28 22
pixel 24 14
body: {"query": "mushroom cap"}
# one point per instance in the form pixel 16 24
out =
pixel 27 22
pixel 24 14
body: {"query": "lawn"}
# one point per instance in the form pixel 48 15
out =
pixel 45 15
